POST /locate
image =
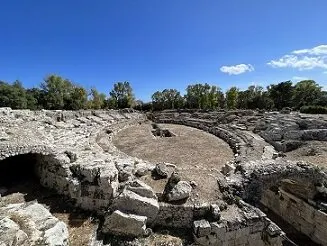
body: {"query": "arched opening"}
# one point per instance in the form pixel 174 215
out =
pixel 20 181
pixel 18 170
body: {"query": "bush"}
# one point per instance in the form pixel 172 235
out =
pixel 313 110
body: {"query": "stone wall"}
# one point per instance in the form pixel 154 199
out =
pixel 237 226
pixel 299 213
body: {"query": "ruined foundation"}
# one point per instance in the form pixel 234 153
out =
pixel 73 154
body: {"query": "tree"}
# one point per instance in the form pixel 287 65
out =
pixel 281 94
pixel 306 92
pixel 204 96
pixel 36 98
pixel 167 99
pixel 77 99
pixel 121 96
pixel 157 100
pixel 215 98
pixel 231 97
pixel 97 100
pixel 13 95
pixel 57 90
pixel 254 97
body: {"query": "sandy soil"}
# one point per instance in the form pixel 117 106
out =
pixel 314 152
pixel 198 155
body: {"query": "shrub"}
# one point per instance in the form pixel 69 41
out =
pixel 313 110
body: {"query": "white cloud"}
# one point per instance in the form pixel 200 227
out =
pixel 237 69
pixel 299 78
pixel 318 50
pixel 304 59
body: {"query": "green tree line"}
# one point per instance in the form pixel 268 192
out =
pixel 275 96
pixel 56 92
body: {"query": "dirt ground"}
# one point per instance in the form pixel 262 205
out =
pixel 198 155
pixel 314 152
pixel 79 223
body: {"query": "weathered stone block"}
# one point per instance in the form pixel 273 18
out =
pixel 122 224
pixel 130 202
pixel 201 228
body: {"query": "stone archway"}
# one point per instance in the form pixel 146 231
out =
pixel 25 173
pixel 17 169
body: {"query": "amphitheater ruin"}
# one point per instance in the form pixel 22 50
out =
pixel 177 177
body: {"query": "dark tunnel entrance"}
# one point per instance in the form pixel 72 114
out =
pixel 18 170
pixel 20 182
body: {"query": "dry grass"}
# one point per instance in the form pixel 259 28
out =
pixel 198 155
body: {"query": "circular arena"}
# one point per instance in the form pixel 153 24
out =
pixel 165 178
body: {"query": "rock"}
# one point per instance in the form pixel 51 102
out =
pixel 131 202
pixel 141 189
pixel 273 229
pixel 201 228
pixel 222 184
pixel 10 233
pixel 268 152
pixel 57 235
pixel 161 170
pixel 141 170
pixel 31 224
pixel 122 224
pixel 172 181
pixel 215 211
pixel 228 168
pixel 181 190
pixel 125 171
pixel 71 155
pixel 193 184
pixel 286 110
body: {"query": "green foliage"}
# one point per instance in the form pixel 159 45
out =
pixel 121 96
pixel 56 92
pixel 98 100
pixel 204 96
pixel 281 94
pixel 254 98
pixel 13 96
pixel 167 99
pixel 306 92
pixel 231 97
pixel 313 109
pixel 77 99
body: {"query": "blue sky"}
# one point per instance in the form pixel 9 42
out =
pixel 158 44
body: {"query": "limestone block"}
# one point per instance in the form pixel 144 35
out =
pixel 209 240
pixel 140 188
pixel 130 202
pixel 10 233
pixel 161 170
pixel 215 211
pixel 57 235
pixel 201 228
pixel 219 229
pixel 181 190
pixel 122 224
pixel 30 224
